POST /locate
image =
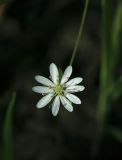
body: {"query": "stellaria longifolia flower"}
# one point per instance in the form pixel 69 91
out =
pixel 58 90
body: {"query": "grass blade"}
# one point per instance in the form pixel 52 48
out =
pixel 105 76
pixel 7 131
pixel 116 29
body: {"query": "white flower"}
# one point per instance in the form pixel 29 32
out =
pixel 58 90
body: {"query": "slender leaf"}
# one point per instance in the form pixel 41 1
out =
pixel 7 131
pixel 105 76
pixel 116 30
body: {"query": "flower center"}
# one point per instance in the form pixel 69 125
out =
pixel 59 89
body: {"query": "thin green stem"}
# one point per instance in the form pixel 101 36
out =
pixel 80 32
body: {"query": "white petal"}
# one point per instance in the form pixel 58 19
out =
pixel 66 103
pixel 44 80
pixel 77 88
pixel 66 75
pixel 74 99
pixel 44 101
pixel 41 89
pixel 54 73
pixel 55 106
pixel 74 81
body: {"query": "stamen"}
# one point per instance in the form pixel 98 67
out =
pixel 59 89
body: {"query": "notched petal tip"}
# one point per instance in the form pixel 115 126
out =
pixel 37 77
pixel 83 88
pixel 69 68
pixel 33 89
pixel 54 114
pixel 52 64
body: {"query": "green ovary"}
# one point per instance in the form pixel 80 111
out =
pixel 59 89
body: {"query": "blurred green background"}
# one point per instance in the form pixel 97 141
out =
pixel 34 34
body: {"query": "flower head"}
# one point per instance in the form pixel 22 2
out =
pixel 58 90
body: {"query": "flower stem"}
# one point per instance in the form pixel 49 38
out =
pixel 80 32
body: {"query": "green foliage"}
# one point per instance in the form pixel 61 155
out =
pixel 109 57
pixel 109 88
pixel 105 76
pixel 116 30
pixel 7 131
